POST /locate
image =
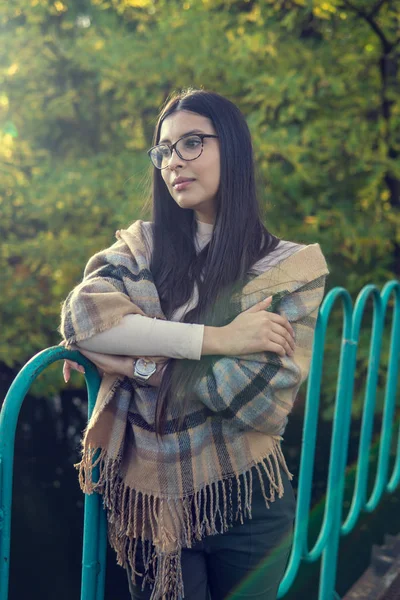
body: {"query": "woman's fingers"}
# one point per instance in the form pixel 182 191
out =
pixel 76 366
pixel 68 365
pixel 283 332
pixel 280 320
pixel 65 371
pixel 277 348
pixel 282 343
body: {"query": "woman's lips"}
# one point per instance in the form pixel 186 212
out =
pixel 183 185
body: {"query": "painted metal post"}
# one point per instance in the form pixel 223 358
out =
pixel 94 549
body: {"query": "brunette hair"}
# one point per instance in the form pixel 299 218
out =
pixel 239 240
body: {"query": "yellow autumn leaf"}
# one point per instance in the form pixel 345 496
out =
pixel 138 3
pixel 320 13
pixel 4 102
pixel 328 7
pixel 12 69
pixel 60 6
pixel 254 15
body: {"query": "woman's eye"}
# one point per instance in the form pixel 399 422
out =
pixel 192 142
pixel 164 151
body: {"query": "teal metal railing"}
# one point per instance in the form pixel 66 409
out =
pixel 333 527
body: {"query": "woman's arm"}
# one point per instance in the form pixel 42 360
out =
pixel 109 363
pixel 137 335
pixel 258 391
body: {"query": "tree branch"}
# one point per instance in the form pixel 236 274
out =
pixel 374 26
pixel 376 8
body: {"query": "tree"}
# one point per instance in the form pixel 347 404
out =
pixel 83 82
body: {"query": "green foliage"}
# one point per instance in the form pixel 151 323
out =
pixel 81 84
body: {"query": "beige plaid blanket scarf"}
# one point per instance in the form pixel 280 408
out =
pixel 170 494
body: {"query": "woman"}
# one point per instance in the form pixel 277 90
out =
pixel 192 320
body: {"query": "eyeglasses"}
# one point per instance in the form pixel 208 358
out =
pixel 188 147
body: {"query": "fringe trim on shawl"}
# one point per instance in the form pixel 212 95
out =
pixel 134 515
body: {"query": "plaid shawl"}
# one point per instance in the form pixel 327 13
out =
pixel 170 494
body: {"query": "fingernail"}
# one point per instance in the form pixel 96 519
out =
pixel 66 378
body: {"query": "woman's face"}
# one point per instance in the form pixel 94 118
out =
pixel 199 195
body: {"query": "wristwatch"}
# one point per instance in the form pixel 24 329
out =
pixel 144 369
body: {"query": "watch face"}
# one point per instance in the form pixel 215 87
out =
pixel 145 367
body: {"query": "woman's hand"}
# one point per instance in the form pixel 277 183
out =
pixel 111 364
pixel 105 363
pixel 256 330
pixel 70 365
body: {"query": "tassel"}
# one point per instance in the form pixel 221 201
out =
pixel 168 581
pixel 166 525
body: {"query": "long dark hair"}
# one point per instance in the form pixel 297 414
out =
pixel 239 239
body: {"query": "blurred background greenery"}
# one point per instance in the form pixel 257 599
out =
pixel 81 84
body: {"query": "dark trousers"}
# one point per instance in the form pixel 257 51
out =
pixel 247 561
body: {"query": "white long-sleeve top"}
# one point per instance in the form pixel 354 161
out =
pixel 137 335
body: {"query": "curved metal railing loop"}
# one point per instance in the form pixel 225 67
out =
pixel 299 549
pixel 380 303
pixel 94 542
pixel 341 421
pixel 358 498
pixel 389 404
pixel 338 459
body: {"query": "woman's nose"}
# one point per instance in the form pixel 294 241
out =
pixel 175 160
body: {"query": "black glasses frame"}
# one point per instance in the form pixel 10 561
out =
pixel 173 147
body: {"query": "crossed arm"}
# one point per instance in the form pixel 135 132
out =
pixel 298 307
pixel 115 350
pixel 112 363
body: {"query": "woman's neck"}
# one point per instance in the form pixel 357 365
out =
pixel 204 228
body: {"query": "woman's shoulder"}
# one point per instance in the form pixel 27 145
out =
pixel 307 259
pixel 145 227
pixel 283 250
pixel 137 231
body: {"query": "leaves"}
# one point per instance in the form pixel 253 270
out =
pixel 80 93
